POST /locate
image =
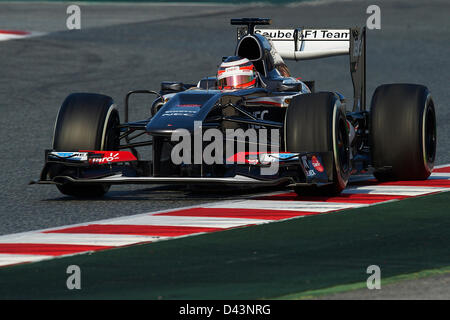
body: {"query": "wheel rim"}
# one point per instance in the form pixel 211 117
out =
pixel 429 134
pixel 340 148
pixel 112 140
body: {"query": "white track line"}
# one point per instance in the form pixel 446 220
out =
pixel 182 221
pixel 393 190
pixel 440 175
pixel 441 166
pixel 8 259
pixel 80 239
pixel 309 206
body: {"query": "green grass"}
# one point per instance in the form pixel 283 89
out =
pixel 266 261
pixel 363 285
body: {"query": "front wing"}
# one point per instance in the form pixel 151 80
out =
pixel 122 167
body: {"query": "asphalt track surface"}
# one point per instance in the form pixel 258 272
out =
pixel 137 46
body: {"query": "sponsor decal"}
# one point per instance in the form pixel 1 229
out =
pixel 111 156
pixel 278 157
pixel 231 68
pixel 316 164
pixel 244 158
pixel 189 105
pixel 263 158
pixel 313 167
pixel 276 34
pixel 179 113
pixel 258 115
pixel 74 156
pixel 357 50
pixel 325 35
pixel 306 34
pixel 94 157
pixel 310 173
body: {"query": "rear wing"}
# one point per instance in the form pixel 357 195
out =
pixel 304 43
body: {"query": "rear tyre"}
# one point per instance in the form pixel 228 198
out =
pixel 403 132
pixel 316 122
pixel 85 121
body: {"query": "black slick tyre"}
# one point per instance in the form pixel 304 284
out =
pixel 402 132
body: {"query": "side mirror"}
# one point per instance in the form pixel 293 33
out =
pixel 171 87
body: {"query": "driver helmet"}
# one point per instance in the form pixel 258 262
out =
pixel 236 73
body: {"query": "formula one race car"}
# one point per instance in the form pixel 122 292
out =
pixel 285 133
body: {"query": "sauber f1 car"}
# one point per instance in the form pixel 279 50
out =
pixel 315 139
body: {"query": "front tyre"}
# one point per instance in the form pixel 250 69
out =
pixel 403 132
pixel 85 121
